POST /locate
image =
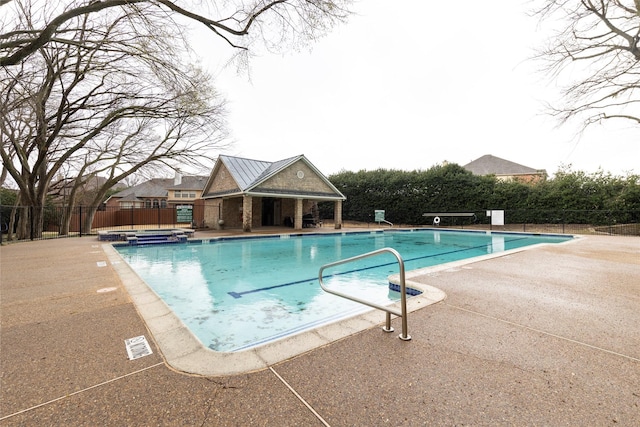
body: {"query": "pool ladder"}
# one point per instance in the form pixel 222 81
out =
pixel 389 311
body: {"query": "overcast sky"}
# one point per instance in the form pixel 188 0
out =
pixel 409 84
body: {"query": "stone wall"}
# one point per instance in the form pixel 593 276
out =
pixel 223 181
pixel 297 178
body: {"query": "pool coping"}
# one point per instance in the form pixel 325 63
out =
pixel 184 352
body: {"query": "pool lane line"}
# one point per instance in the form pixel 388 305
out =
pixel 300 398
pixel 80 391
pixel 267 288
pixel 460 250
pixel 282 285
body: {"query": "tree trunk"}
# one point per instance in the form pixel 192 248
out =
pixel 23 228
pixel 12 224
pixel 65 222
pixel 87 223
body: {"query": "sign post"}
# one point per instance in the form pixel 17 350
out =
pixel 379 217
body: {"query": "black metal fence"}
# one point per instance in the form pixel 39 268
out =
pixel 603 222
pixel 20 223
pixel 17 223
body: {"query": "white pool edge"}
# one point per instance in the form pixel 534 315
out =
pixel 183 351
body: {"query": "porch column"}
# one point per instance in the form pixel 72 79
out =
pixel 337 214
pixel 297 219
pixel 247 212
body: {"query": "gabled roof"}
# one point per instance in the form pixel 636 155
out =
pixel 249 174
pixel 492 165
pixel 158 187
pixel 155 187
pixel 130 198
pixel 189 182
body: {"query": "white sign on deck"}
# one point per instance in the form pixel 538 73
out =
pixel 137 347
pixel 497 217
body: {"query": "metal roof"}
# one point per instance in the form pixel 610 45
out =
pixel 248 172
pixel 244 171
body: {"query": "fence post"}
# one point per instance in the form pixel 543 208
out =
pixel 30 222
pixel 80 219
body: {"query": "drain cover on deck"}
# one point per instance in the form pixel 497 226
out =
pixel 137 347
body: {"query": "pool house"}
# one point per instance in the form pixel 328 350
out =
pixel 254 193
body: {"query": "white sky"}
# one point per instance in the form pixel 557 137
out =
pixel 408 84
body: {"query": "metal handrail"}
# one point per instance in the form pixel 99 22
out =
pixel 403 291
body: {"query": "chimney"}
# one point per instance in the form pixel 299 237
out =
pixel 177 179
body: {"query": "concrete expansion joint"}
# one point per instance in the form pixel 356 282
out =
pixel 299 397
pixel 80 391
pixel 539 331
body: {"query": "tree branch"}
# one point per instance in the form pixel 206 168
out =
pixel 44 36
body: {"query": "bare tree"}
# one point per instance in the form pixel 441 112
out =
pixel 123 98
pixel 595 57
pixel 238 23
pixel 107 87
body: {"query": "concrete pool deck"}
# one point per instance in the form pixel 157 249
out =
pixel 547 336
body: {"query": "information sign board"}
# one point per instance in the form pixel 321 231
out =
pixel 184 213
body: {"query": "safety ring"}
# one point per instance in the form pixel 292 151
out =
pixel 436 220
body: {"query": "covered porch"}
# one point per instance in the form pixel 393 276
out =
pixel 249 212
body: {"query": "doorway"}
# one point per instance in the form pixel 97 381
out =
pixel 270 211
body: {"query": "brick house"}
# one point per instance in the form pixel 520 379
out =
pixel 160 193
pixel 254 193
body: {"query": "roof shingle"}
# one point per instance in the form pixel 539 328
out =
pixel 492 165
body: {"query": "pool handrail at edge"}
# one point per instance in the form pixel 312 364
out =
pixel 389 311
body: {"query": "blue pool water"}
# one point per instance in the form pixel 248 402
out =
pixel 242 292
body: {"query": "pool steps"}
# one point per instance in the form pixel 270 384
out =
pixel 147 237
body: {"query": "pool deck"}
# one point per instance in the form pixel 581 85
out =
pixel 546 336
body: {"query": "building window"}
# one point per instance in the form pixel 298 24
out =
pixel 163 203
pixel 179 194
pixel 155 203
pixel 147 203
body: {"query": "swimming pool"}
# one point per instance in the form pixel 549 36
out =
pixel 238 293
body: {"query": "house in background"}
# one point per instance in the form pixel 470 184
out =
pixel 160 193
pixel 255 193
pixel 60 190
pixel 505 170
